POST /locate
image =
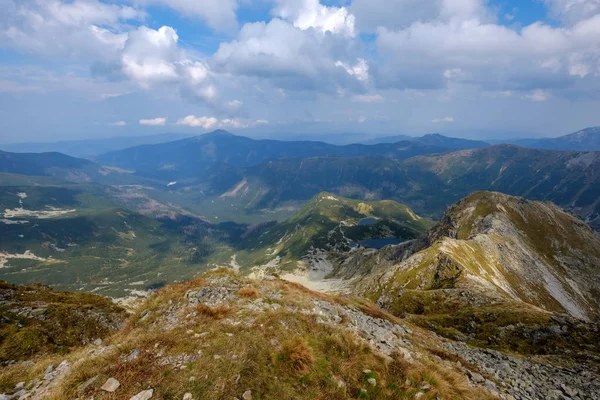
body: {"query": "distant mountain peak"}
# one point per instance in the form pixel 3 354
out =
pixel 219 132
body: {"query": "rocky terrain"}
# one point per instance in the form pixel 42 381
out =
pixel 224 336
pixel 504 249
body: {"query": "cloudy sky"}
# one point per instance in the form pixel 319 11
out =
pixel 472 68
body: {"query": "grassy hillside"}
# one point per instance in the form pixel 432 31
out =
pixel 328 223
pixel 37 320
pixel 73 239
pixel 494 261
pixel 223 336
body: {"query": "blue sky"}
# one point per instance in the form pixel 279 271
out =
pixel 472 68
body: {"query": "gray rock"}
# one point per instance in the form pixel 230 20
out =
pixel 475 377
pixel 87 384
pixel 49 369
pixel 187 396
pixel 111 385
pixel 372 381
pixel 247 395
pixel 143 395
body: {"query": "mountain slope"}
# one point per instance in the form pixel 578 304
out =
pixel 508 248
pixel 91 147
pixel 221 336
pixel 497 271
pixel 427 183
pixel 584 140
pixel 192 158
pixel 36 320
pixel 327 223
pixel 75 240
pixel 38 163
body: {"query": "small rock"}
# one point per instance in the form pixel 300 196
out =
pixel 425 386
pixel 144 395
pixel 418 395
pixel 20 385
pixel 111 385
pixel 98 342
pixel 217 357
pixel 475 377
pixel 49 369
pixel 491 386
pixel 133 355
pixel 87 384
pixel 372 381
pixel 247 395
pixel 187 396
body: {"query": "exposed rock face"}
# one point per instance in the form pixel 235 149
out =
pixel 525 379
pixel 502 247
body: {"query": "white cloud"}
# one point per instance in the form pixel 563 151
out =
pixel 75 30
pixel 306 14
pixel 208 123
pixel 360 70
pixel 494 57
pixel 290 58
pixel 119 123
pixel 153 57
pixel 149 55
pixel 153 122
pixel 573 11
pixel 537 95
pixel 368 98
pixel 442 120
pixel 220 15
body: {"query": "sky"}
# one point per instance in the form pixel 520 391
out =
pixel 75 69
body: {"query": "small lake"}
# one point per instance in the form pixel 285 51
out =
pixel 379 243
pixel 367 221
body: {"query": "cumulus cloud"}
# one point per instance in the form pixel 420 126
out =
pixel 306 14
pixel 57 29
pixel 153 57
pixel 208 123
pixel 153 122
pixel 442 120
pixel 291 58
pixel 494 57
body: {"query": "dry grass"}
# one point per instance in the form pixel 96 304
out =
pixel 217 312
pixel 280 354
pixel 250 292
pixel 296 355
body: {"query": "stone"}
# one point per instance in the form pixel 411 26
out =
pixel 143 395
pixel 491 386
pixel 110 385
pixel 187 396
pixel 20 385
pixel 425 386
pixel 49 369
pixel 87 384
pixel 476 378
pixel 247 395
pixel 98 342
pixel 133 355
pixel 372 381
